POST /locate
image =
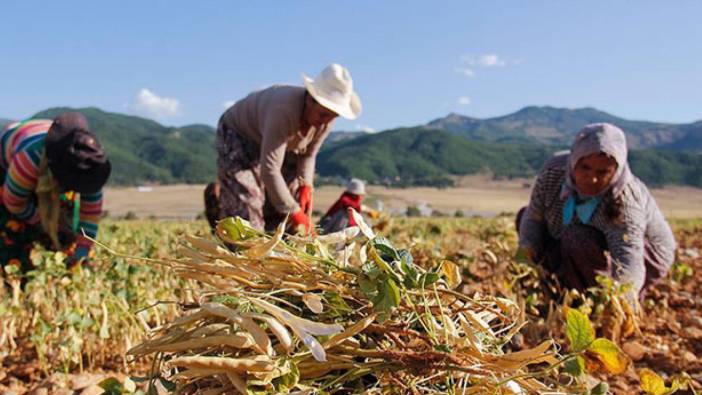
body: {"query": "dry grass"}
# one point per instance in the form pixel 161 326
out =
pixel 475 195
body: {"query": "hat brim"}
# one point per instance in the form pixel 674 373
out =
pixel 350 110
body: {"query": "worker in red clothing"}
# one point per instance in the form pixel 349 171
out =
pixel 338 217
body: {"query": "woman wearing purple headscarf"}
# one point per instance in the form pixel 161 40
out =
pixel 589 215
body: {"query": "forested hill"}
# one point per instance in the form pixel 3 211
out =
pixel 421 156
pixel 144 151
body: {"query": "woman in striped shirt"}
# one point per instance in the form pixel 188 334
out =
pixel 43 163
pixel 589 215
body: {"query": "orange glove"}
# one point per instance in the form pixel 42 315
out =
pixel 300 218
pixel 304 197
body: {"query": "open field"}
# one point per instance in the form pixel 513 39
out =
pixel 475 195
pixel 68 329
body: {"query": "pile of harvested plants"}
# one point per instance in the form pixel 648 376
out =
pixel 339 313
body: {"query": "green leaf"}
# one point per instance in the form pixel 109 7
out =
pixel 411 276
pixel 382 264
pixel 237 228
pixel 167 384
pixel 385 249
pixel 368 285
pixel 388 297
pixel 600 389
pixel 578 330
pixel 112 386
pixel 371 270
pixel 609 354
pixel 288 381
pixel 443 348
pixel 337 305
pixel 428 279
pixel 575 366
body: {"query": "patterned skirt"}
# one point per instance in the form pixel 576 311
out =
pixel 239 190
pixel 17 238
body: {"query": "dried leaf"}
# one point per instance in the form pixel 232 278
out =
pixel 278 330
pixel 239 340
pixel 351 331
pixel 451 272
pixel 223 364
pixel 263 343
pixel 341 236
pixel 313 302
pixel 105 326
pixel 517 360
pixel 315 328
pixel 264 249
pixel 237 382
pixel 361 223
pixel 609 355
pixel 652 383
pixel 303 328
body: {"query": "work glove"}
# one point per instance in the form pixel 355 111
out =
pixel 298 219
pixel 304 198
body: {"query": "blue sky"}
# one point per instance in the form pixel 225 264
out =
pixel 412 61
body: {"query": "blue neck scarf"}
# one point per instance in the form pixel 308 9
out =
pixel 583 208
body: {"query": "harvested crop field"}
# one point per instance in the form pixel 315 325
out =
pixel 69 330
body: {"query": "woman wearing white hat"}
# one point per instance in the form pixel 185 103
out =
pixel 267 144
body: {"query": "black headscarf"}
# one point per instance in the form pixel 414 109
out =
pixel 76 159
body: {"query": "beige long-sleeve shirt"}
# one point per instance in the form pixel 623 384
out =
pixel 271 118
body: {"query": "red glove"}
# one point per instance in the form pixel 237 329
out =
pixel 300 218
pixel 304 197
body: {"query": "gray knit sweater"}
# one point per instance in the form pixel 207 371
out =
pixel 641 220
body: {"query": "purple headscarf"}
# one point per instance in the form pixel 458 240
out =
pixel 594 139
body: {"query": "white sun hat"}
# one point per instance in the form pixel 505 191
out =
pixel 356 186
pixel 333 89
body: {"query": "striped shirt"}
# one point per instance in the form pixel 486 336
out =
pixel 22 147
pixel 641 221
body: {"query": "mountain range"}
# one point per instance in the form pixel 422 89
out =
pixel 557 126
pixel 514 145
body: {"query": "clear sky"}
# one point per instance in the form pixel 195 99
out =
pixel 411 61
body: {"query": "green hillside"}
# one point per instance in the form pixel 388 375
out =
pixel 144 151
pixel 420 156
